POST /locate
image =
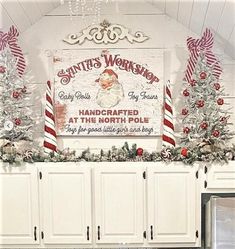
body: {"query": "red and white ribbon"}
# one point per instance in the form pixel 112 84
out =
pixel 168 139
pixel 50 142
pixel 203 45
pixel 10 39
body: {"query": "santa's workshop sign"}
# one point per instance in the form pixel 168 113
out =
pixel 116 92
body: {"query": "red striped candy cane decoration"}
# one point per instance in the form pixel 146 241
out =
pixel 16 50
pixel 50 142
pixel 203 45
pixel 3 40
pixel 10 39
pixel 168 139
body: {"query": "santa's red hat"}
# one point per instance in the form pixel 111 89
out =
pixel 109 72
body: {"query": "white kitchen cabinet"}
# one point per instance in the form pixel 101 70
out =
pixel 219 178
pixel 119 203
pixel 66 204
pixel 100 205
pixel 19 206
pixel 171 201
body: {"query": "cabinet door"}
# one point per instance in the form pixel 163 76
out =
pixel 171 198
pixel 221 178
pixel 119 204
pixel 66 198
pixel 19 222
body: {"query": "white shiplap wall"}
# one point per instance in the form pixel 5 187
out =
pixel 196 15
pixel 165 32
pixel 23 13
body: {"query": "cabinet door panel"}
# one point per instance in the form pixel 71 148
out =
pixel 19 222
pixel 221 177
pixel 171 204
pixel 119 204
pixel 66 205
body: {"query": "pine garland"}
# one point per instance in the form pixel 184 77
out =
pixel 123 154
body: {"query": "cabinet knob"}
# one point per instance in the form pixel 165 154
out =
pixel 151 232
pixel 88 233
pixel 98 232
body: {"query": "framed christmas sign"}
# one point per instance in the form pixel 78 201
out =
pixel 116 92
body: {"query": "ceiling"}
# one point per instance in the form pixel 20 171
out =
pixel 196 15
pixel 219 15
pixel 24 13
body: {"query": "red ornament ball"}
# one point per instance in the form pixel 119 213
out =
pixel 17 121
pixel 203 75
pixel 216 133
pixel 16 94
pixel 184 152
pixel 184 111
pixel 186 130
pixel 193 82
pixel 204 125
pixel 200 103
pixel 2 69
pixel 217 86
pixel 186 93
pixel 139 152
pixel 220 101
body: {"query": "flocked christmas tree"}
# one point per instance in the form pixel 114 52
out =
pixel 205 118
pixel 15 112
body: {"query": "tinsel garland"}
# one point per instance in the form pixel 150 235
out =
pixel 9 154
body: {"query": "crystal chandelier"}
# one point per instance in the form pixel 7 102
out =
pixel 85 8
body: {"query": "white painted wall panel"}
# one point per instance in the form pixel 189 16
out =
pixel 38 93
pixel 116 8
pixel 42 31
pixel 17 14
pixel 229 47
pixel 5 20
pixel 160 4
pixel 228 79
pixel 31 10
pixel 185 11
pixel 60 10
pixel 172 8
pixel 213 14
pixel 198 15
pixel 227 20
pixel 137 7
pixel 175 34
pixel 55 3
pixel 44 6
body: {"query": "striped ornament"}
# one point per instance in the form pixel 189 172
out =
pixel 203 45
pixel 10 39
pixel 50 142
pixel 168 139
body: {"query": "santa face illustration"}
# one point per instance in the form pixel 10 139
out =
pixel 111 91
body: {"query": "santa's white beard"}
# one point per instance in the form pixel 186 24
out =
pixel 107 98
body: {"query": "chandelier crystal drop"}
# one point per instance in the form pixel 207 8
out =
pixel 85 8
